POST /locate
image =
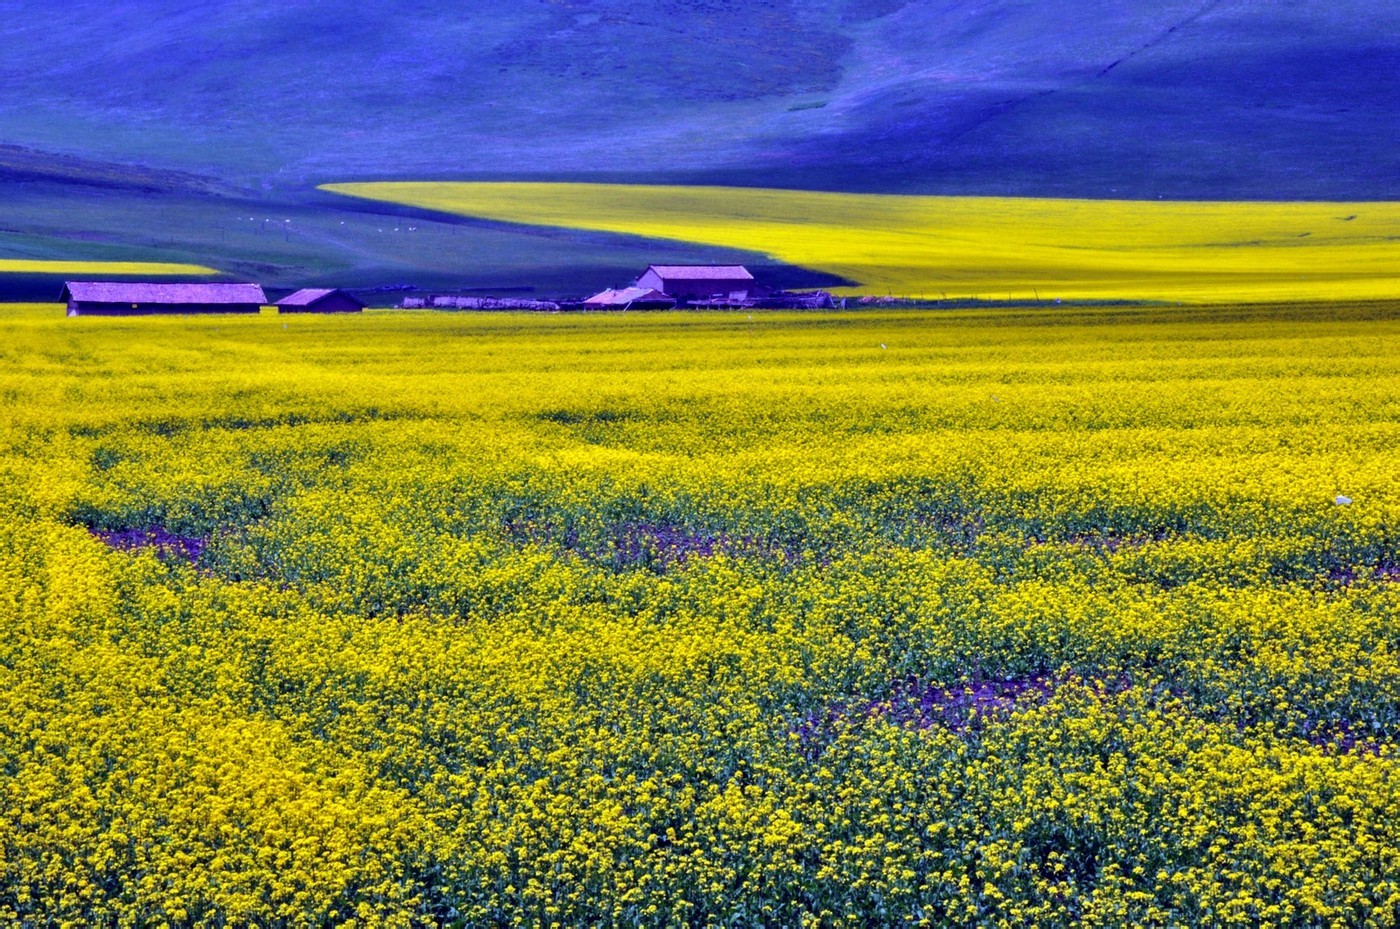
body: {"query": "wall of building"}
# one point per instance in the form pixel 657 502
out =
pixel 689 289
pixel 335 303
pixel 76 308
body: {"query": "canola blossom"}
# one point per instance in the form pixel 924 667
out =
pixel 993 248
pixel 100 268
pixel 1034 617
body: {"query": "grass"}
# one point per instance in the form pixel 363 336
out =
pixel 988 247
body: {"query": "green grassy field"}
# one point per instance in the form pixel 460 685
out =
pixel 1073 616
pixel 985 247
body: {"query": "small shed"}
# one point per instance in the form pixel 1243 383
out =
pixel 700 282
pixel 106 298
pixel 634 298
pixel 315 300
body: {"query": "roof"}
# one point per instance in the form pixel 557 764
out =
pixel 702 272
pixel 629 295
pixel 111 292
pixel 310 295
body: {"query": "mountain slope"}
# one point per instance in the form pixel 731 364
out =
pixel 973 247
pixel 1173 98
pixel 76 211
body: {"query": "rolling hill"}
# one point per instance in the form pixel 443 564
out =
pixel 241 108
pixel 961 248
pixel 1186 99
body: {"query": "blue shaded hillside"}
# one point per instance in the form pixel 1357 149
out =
pixel 1172 98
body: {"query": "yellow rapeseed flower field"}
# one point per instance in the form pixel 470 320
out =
pixel 99 268
pixel 1078 617
pixel 987 247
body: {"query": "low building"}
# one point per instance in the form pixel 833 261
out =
pixel 630 298
pixel 702 283
pixel 314 300
pixel 450 302
pixel 106 298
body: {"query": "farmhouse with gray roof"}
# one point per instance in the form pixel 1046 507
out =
pixel 699 282
pixel 318 300
pixel 106 298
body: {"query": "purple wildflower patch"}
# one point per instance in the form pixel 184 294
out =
pixel 1343 736
pixel 1386 572
pixel 657 544
pixel 960 709
pixel 165 543
pixel 662 544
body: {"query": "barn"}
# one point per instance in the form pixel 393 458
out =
pixel 633 298
pixel 99 298
pixel 313 300
pixel 687 283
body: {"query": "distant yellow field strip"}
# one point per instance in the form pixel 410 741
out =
pixel 990 247
pixel 122 268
